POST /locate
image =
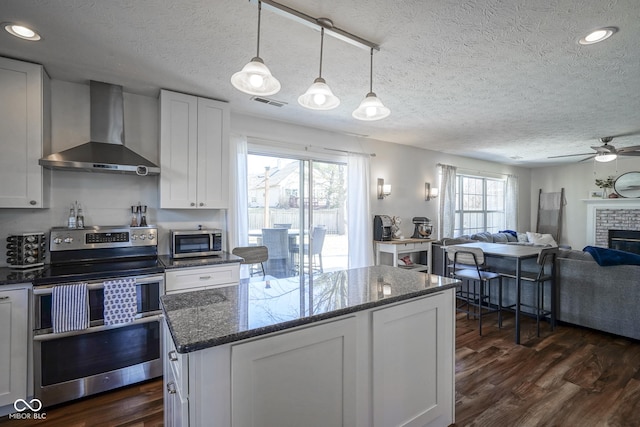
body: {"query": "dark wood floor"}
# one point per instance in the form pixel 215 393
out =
pixel 139 405
pixel 571 377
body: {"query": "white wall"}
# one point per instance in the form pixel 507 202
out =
pixel 106 198
pixel 405 168
pixel 577 179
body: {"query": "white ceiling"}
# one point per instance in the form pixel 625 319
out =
pixel 489 79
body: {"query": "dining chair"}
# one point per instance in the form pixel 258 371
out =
pixel 277 242
pixel 252 255
pixel 546 268
pixel 317 243
pixel 468 265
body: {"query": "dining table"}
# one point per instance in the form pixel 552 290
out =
pixel 517 253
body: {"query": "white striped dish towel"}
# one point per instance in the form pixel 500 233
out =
pixel 70 308
pixel 120 301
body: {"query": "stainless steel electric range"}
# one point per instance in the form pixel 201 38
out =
pixel 78 363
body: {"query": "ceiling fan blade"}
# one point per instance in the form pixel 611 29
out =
pixel 570 155
pixel 606 148
pixel 626 150
pixel 586 158
pixel 629 153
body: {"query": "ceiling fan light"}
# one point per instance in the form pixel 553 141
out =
pixel 605 157
pixel 255 79
pixel 319 96
pixel 371 108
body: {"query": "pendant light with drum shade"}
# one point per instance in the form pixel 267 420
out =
pixel 319 95
pixel 371 108
pixel 255 78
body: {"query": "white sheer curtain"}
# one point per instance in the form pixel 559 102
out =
pixel 238 214
pixel 359 221
pixel 447 208
pixel 511 203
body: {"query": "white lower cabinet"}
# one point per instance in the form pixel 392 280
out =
pixel 413 370
pixel 198 278
pixel 386 366
pixel 14 347
pixel 300 378
pixel 176 404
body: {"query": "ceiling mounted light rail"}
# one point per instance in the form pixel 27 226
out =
pixel 255 78
pixel 317 24
pixel 319 95
pixel 371 108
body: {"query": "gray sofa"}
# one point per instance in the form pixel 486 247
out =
pixel 601 298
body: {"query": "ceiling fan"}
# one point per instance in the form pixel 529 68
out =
pixel 605 152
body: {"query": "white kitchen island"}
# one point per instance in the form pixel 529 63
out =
pixel 362 347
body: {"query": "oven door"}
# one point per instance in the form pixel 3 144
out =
pixel 75 364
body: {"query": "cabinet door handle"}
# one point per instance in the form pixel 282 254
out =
pixel 171 388
pixel 201 204
pixel 4 298
pixel 193 204
pixel 205 277
pixel 33 203
pixel 173 356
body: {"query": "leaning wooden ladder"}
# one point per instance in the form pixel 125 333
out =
pixel 550 207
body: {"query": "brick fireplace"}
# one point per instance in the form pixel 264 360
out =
pixel 610 214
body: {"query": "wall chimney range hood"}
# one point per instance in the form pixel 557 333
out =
pixel 106 151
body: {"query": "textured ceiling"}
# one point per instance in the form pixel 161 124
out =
pixel 489 79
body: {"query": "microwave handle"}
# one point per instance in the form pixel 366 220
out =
pixel 211 239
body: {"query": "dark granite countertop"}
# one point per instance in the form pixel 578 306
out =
pixel 207 318
pixel 170 263
pixel 10 276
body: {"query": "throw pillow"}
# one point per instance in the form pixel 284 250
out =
pixel 541 239
pixel 499 238
pixel 522 238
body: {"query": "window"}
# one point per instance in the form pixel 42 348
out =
pixel 480 205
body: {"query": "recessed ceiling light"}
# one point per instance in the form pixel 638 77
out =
pixel 21 31
pixel 598 35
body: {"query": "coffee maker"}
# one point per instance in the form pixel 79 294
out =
pixel 381 227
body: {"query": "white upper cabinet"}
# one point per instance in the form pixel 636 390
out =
pixel 194 152
pixel 25 134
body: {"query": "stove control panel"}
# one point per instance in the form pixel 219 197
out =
pixel 98 237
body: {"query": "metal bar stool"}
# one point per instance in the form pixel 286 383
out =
pixel 468 264
pixel 546 262
pixel 252 255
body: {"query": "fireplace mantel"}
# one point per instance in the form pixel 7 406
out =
pixel 595 204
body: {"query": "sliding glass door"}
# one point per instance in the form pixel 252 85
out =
pixel 297 209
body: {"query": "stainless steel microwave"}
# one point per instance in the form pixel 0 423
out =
pixel 196 243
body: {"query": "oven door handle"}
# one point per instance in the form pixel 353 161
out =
pixel 48 289
pixel 146 319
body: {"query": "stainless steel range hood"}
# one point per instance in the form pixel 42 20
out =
pixel 106 151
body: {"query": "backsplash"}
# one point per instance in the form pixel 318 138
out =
pixel 106 200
